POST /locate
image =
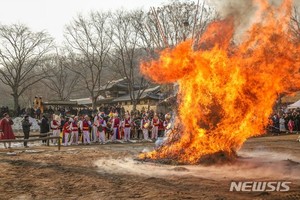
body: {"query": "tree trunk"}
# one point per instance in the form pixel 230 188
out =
pixel 134 103
pixel 16 102
pixel 94 101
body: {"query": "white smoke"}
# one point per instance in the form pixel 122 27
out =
pixel 244 8
pixel 260 165
pixel 243 11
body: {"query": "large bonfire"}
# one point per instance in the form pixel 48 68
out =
pixel 227 88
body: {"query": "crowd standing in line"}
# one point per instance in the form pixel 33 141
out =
pixel 118 125
pixel 100 127
pixel 113 127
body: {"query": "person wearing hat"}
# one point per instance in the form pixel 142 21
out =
pixel 55 126
pixel 26 128
pixel 6 131
pixel 145 127
pixel 66 131
pixel 155 123
pixel 115 126
pixel 74 130
pixel 85 127
pixel 126 124
pixel 101 125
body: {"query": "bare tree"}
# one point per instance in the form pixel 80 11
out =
pixel 60 79
pixel 126 52
pixel 295 25
pixel 88 45
pixel 172 23
pixel 22 55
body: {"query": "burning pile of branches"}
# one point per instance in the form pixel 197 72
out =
pixel 226 87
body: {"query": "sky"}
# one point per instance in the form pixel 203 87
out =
pixel 53 15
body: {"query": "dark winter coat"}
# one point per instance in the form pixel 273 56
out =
pixel 26 125
pixel 44 125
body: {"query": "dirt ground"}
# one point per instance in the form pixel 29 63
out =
pixel 110 172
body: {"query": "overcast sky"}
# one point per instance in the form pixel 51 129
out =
pixel 52 15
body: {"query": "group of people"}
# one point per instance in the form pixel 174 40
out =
pixel 286 122
pixel 92 129
pixel 102 128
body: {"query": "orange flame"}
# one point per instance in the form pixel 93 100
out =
pixel 227 90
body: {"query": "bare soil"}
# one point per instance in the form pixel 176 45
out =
pixel 110 172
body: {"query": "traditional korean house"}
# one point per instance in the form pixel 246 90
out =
pixel 149 100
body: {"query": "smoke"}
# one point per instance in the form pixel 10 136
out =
pixel 260 165
pixel 244 11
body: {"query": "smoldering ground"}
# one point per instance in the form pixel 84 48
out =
pixel 255 165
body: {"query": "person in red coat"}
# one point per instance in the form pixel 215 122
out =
pixel 6 131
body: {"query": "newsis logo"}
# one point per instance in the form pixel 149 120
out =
pixel 264 186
